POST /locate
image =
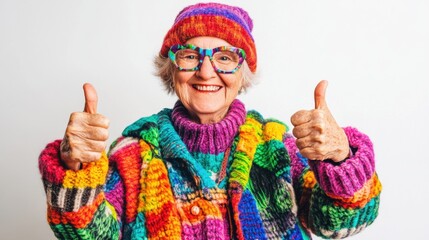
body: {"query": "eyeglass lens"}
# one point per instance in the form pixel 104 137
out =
pixel 224 60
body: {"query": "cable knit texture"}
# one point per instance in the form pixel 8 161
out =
pixel 170 178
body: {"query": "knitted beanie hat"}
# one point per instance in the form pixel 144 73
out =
pixel 229 23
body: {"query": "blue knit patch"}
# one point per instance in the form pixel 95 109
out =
pixel 249 217
pixel 114 178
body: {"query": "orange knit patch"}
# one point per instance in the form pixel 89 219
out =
pixel 371 189
pixel 92 175
pixel 79 219
pixel 144 146
pixel 309 179
pixel 205 208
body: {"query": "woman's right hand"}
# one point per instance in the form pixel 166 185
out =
pixel 86 135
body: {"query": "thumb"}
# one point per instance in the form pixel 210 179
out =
pixel 91 98
pixel 319 95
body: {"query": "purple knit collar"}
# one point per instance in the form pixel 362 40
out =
pixel 208 138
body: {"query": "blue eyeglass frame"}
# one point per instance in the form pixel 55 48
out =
pixel 203 52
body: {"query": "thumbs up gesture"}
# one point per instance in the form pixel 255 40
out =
pixel 86 133
pixel 318 136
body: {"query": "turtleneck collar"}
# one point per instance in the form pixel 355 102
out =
pixel 212 138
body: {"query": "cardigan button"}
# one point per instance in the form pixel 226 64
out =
pixel 195 210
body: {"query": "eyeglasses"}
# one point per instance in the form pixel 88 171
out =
pixel 224 59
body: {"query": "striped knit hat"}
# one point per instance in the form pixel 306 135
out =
pixel 229 23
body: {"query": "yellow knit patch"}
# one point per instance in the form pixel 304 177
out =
pixel 146 156
pixel 155 187
pixel 309 179
pixel 274 131
pixel 250 134
pixel 254 123
pixel 92 174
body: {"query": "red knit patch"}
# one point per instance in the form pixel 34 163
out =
pixel 129 167
pixel 49 163
pixel 163 222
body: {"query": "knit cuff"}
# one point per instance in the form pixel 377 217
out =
pixel 68 190
pixel 343 179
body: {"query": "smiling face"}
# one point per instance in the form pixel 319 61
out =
pixel 205 93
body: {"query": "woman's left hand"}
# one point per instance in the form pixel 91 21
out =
pixel 318 136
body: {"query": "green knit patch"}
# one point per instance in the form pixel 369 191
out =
pixel 328 216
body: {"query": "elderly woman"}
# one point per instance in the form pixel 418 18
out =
pixel 207 168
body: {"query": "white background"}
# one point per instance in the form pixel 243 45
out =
pixel 375 55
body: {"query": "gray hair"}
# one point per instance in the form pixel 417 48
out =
pixel 165 69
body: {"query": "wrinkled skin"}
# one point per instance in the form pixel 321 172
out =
pixel 318 136
pixel 86 133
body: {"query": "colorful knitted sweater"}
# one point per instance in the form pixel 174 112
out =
pixel 242 178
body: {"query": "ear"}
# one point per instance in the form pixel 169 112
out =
pixel 241 90
pixel 243 84
pixel 244 78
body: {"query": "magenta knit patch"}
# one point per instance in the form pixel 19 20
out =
pixel 208 138
pixel 205 230
pixel 116 197
pixel 347 177
pixel 49 163
pixel 296 165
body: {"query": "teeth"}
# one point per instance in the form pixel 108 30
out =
pixel 206 88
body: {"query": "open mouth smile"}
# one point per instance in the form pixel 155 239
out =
pixel 206 88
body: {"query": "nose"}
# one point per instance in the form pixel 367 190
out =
pixel 206 70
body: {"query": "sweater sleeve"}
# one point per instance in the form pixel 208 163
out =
pixel 337 200
pixel 83 204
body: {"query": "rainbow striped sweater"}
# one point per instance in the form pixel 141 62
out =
pixel 167 177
